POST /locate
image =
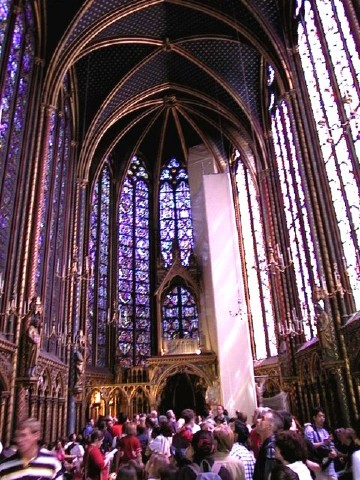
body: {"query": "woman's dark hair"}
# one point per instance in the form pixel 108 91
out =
pixel 281 472
pixel 140 429
pixel 169 472
pixel 287 417
pixel 292 446
pixel 155 431
pixel 315 411
pixel 203 444
pixel 96 434
pixel 166 429
pixel 126 472
pixel 241 416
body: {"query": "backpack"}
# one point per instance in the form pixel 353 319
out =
pixel 208 474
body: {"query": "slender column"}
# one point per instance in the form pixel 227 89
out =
pixel 55 422
pixel 33 405
pixel 4 402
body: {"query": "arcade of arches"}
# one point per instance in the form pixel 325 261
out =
pixel 179 208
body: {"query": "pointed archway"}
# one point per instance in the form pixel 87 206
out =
pixel 183 390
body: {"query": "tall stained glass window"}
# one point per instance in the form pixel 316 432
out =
pixel 331 67
pixel 179 314
pixel 134 267
pixel 99 247
pixel 255 258
pixel 300 250
pixel 175 212
pixel 57 189
pixel 18 62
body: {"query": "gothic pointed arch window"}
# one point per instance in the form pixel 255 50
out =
pixel 17 47
pixel 99 262
pixel 331 68
pixel 175 213
pixel 180 317
pixel 134 333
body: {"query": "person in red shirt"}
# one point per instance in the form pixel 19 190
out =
pixel 129 447
pixel 117 428
pixel 95 463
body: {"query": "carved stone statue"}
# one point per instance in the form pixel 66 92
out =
pixel 259 390
pixel 79 366
pixel 324 331
pixel 33 326
pixel 79 358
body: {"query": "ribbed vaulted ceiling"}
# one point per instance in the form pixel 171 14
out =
pixel 159 77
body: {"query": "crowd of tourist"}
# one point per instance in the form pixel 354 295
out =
pixel 151 447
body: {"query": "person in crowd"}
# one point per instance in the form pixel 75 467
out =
pixel 142 419
pixel 154 416
pixel 242 417
pixel 287 418
pixel 224 441
pixel 143 439
pixel 162 442
pixel 149 424
pixel 267 426
pixel 323 445
pixel 106 445
pixel 182 438
pixel 208 424
pixel 157 462
pixel 96 465
pixel 128 447
pixel 197 422
pixel 355 458
pixel 126 472
pixel 30 461
pixel 240 450
pixel 200 456
pixel 348 445
pixel 282 472
pixel 170 415
pixel 169 472
pixel 9 450
pixel 221 415
pixel 255 438
pixel 89 427
pixel 65 458
pixel 118 426
pixel 290 450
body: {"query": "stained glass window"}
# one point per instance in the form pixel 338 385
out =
pixel 134 267
pixel 99 248
pixel 45 207
pixel 175 212
pixel 4 14
pixel 331 67
pixel 256 261
pixel 179 314
pixel 300 250
pixel 56 197
pixel 13 110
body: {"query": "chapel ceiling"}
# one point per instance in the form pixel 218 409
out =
pixel 159 77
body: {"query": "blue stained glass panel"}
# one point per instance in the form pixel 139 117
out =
pixel 134 338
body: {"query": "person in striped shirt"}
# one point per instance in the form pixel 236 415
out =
pixel 30 462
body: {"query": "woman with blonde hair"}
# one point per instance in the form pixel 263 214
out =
pixel 154 466
pixel 224 441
